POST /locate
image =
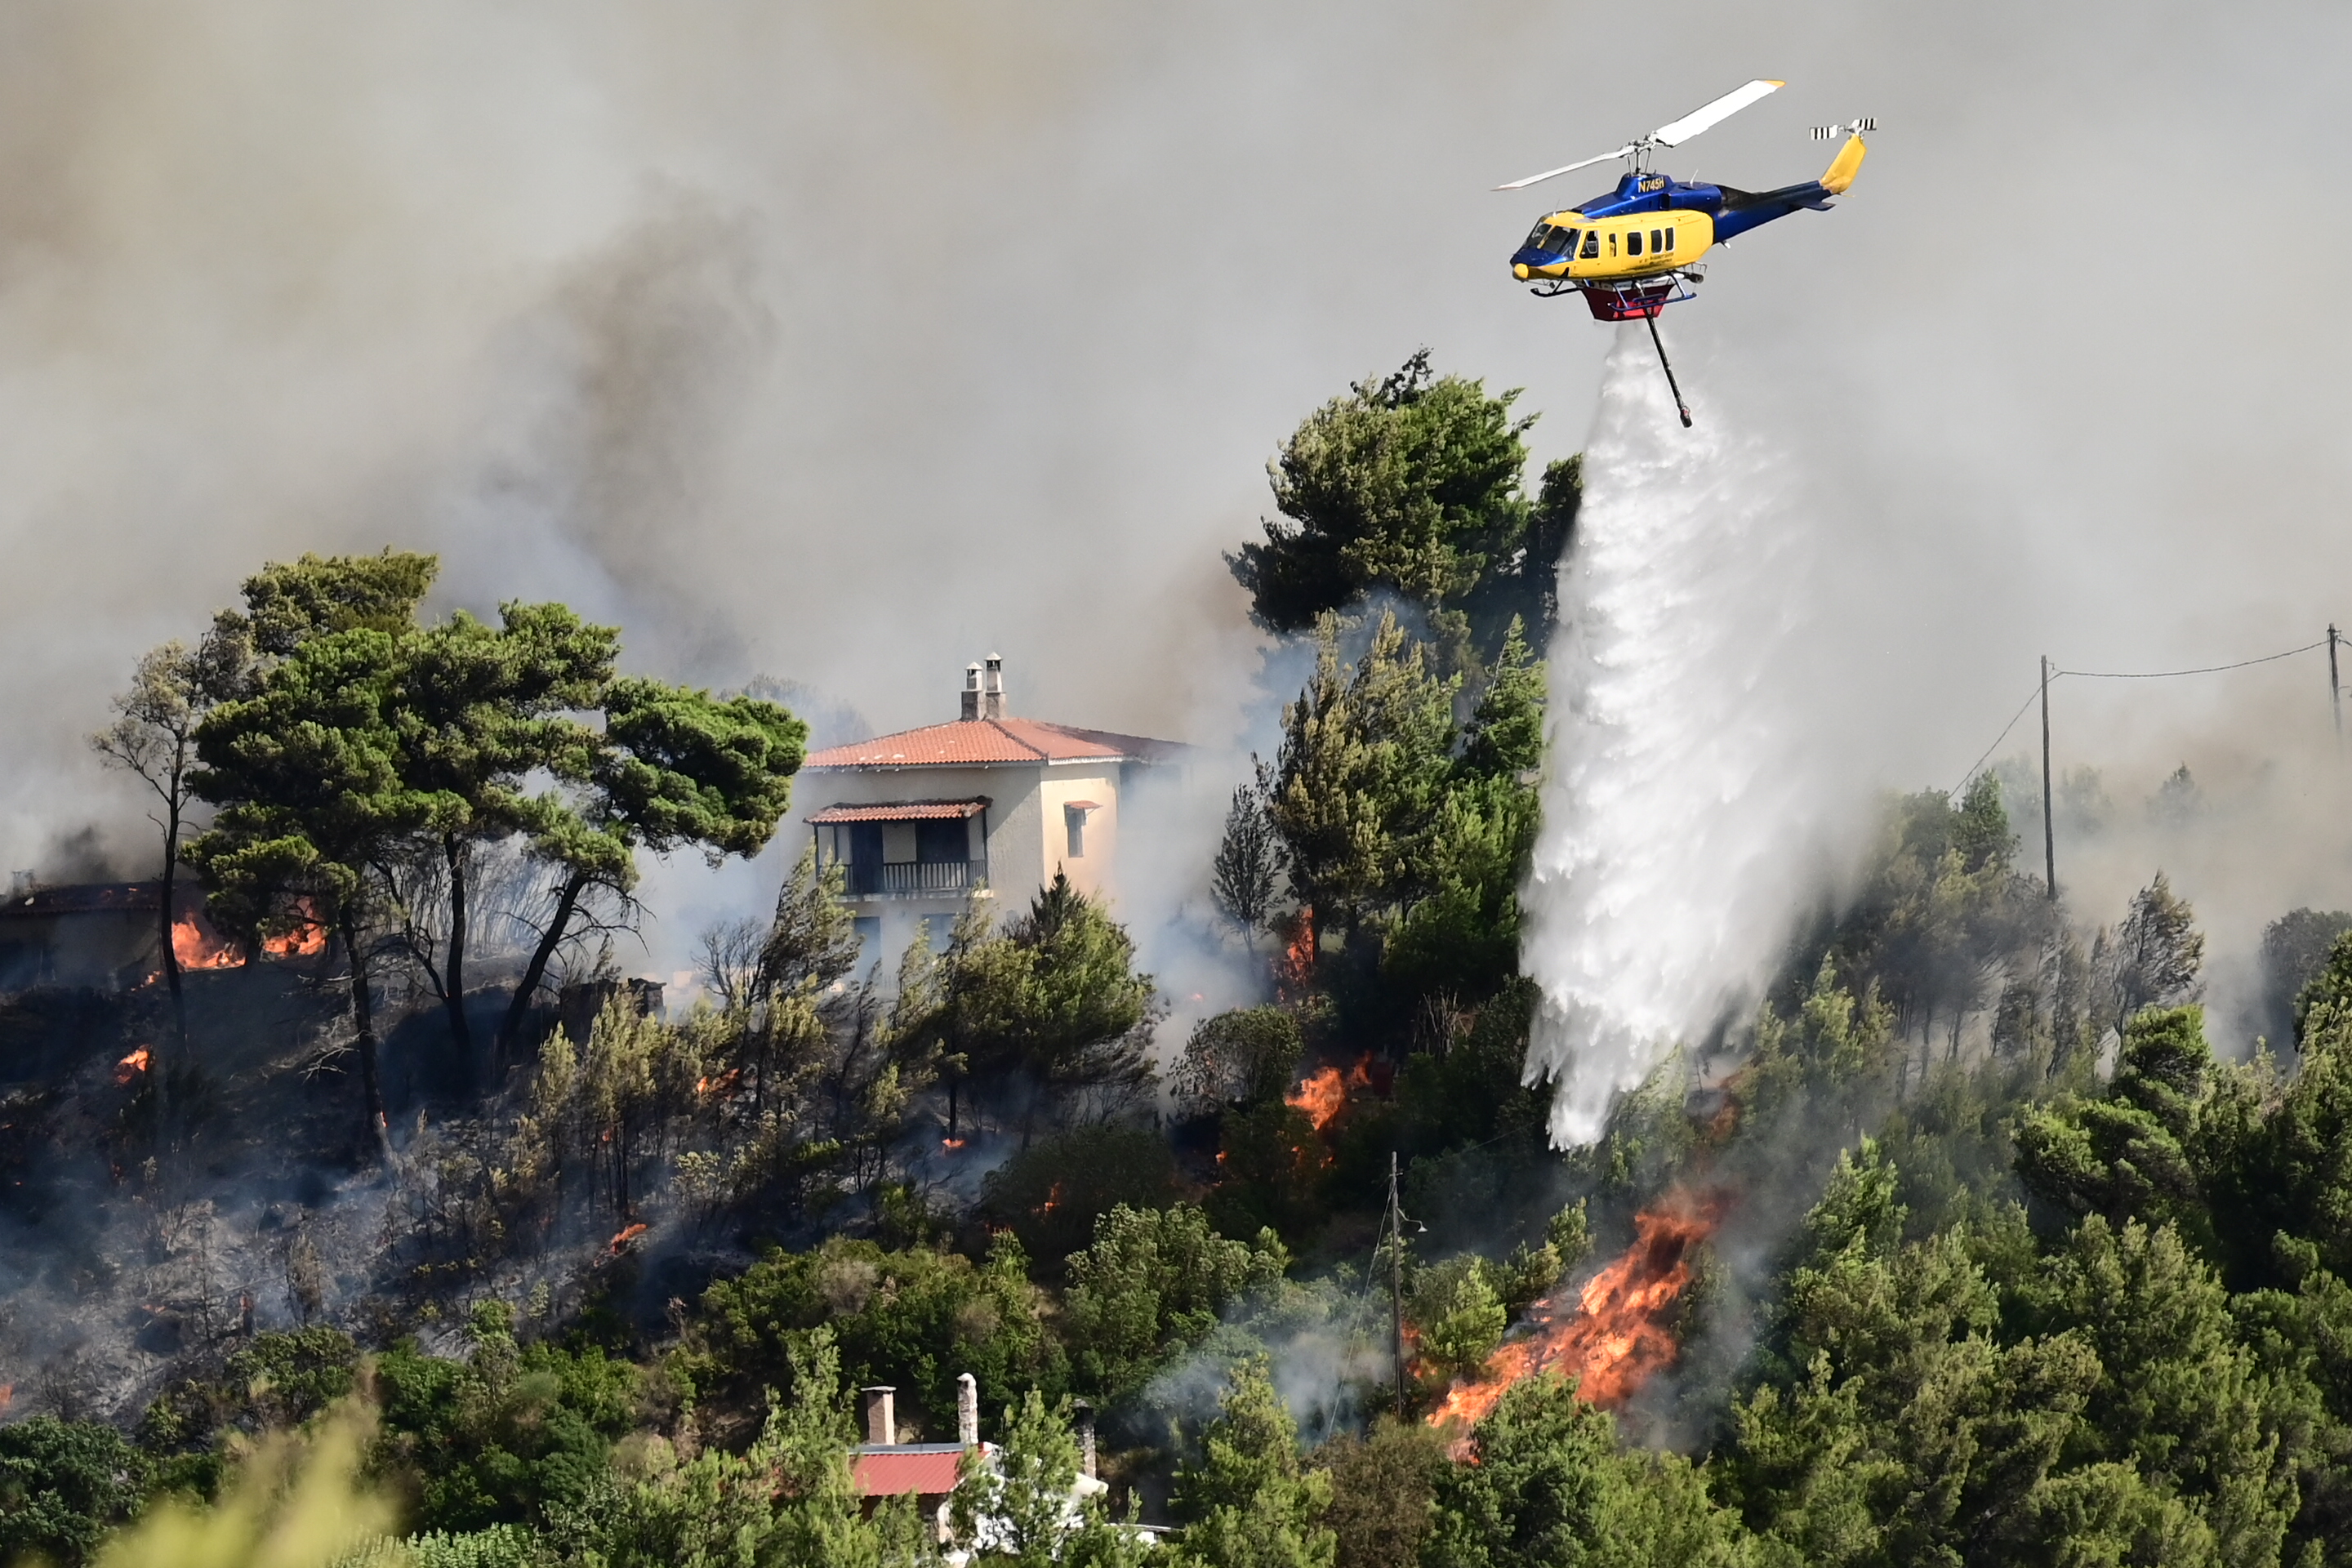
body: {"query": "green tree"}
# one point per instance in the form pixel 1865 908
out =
pixel 1461 1317
pixel 1054 1004
pixel 2153 957
pixel 1548 1485
pixel 675 767
pixel 1248 1056
pixel 1366 754
pixel 153 739
pixel 1247 873
pixel 1411 484
pixel 1382 1485
pixel 788 1500
pixel 913 1319
pixel 308 779
pixel 1155 1282
pixel 1250 1502
pixel 2128 1152
pixel 63 1485
pixel 482 710
pixel 514 1434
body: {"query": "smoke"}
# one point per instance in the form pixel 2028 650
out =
pixel 1676 794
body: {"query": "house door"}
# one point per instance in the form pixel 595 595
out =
pixel 864 858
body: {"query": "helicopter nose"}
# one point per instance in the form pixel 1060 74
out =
pixel 1519 270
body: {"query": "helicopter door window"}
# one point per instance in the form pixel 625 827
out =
pixel 1633 242
pixel 1592 245
pixel 1670 241
pixel 1655 245
pixel 1613 244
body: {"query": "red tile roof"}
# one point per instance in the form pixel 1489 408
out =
pixel 901 811
pixel 925 1469
pixel 977 740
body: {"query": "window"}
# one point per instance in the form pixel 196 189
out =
pixel 1074 824
pixel 869 933
pixel 1670 239
pixel 1633 242
pixel 1613 243
pixel 936 843
pixel 1568 248
pixel 1656 242
pixel 1592 245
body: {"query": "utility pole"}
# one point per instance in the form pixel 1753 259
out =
pixel 2049 800
pixel 1396 1281
pixel 2335 685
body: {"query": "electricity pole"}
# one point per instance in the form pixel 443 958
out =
pixel 2334 685
pixel 2050 801
pixel 1396 1282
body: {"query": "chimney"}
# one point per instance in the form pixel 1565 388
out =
pixel 1085 1415
pixel 967 1410
pixel 991 688
pixel 971 692
pixel 881 1415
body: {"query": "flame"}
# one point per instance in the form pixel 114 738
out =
pixel 723 1084
pixel 627 1235
pixel 1320 1097
pixel 7 1394
pixel 1325 1094
pixel 195 949
pixel 952 1144
pixel 132 1065
pixel 1053 1199
pixel 1617 1333
pixel 1296 967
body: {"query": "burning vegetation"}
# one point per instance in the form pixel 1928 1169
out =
pixel 540 1231
pixel 1614 1333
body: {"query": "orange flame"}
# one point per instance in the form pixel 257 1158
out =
pixel 195 948
pixel 1296 967
pixel 1320 1097
pixel 1617 1334
pixel 1325 1094
pixel 7 1394
pixel 723 1084
pixel 1053 1200
pixel 132 1065
pixel 306 938
pixel 627 1235
pixel 952 1144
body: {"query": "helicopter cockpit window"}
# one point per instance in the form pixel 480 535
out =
pixel 1536 237
pixel 1567 238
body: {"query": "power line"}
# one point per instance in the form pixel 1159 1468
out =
pixel 1974 766
pixel 1977 766
pixel 2204 669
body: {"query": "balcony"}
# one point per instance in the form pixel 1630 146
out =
pixel 915 878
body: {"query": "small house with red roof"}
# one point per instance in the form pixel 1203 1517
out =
pixel 989 805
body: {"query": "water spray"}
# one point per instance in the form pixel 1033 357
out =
pixel 1676 807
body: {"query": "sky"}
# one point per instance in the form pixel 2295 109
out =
pixel 849 342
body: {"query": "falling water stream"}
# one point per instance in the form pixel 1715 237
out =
pixel 1673 846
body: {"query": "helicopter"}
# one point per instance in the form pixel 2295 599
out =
pixel 1635 250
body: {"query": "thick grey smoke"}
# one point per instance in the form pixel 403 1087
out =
pixel 846 341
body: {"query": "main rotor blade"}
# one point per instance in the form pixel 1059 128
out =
pixel 1563 169
pixel 1676 133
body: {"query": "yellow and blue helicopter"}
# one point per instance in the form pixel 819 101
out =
pixel 1635 250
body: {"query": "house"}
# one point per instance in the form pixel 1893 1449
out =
pixel 882 1466
pixel 988 805
pixel 98 935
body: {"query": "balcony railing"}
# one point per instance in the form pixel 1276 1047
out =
pixel 915 878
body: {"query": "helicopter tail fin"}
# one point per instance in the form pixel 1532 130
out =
pixel 1842 168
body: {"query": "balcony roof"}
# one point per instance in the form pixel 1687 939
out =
pixel 979 741
pixel 901 811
